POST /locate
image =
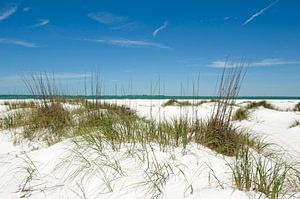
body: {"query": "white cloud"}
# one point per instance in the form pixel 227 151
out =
pixel 113 21
pixel 129 43
pixel 106 18
pixel 42 22
pixel 273 62
pixel 156 31
pixel 8 12
pixel 261 63
pixel 18 42
pixel 71 75
pixel 259 13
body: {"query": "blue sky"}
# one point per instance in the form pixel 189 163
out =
pixel 141 42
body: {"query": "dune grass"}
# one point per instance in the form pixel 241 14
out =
pixel 94 125
pixel 118 124
pixel 12 105
pixel 297 107
pixel 264 104
pixel 295 123
pixel 272 177
pixel 174 102
pixel 241 114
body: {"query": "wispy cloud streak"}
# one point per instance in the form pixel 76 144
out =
pixel 259 13
pixel 261 63
pixel 273 62
pixel 18 42
pixel 128 43
pixel 156 31
pixel 42 22
pixel 106 18
pixel 8 12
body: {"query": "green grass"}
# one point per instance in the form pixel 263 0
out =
pixel 14 120
pixel 226 140
pixel 117 125
pixel 174 102
pixel 52 118
pixel 241 114
pixel 272 177
pixel 97 126
pixel 297 107
pixel 20 104
pixel 295 123
pixel 264 104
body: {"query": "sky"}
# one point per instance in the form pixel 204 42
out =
pixel 151 47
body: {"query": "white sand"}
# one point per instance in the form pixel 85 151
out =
pixel 197 162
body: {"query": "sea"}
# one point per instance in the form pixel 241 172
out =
pixel 154 97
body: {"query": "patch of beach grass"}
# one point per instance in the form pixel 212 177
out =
pixel 297 107
pixel 264 104
pixel 52 118
pixel 241 114
pixel 218 133
pixel 13 120
pixel 272 177
pixel 174 102
pixel 12 105
pixel 295 123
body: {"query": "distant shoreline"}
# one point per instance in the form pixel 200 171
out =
pixel 154 97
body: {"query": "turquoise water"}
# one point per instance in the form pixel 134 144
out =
pixel 156 97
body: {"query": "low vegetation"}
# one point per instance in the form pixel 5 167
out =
pixel 272 177
pixel 295 123
pixel 20 104
pixel 297 107
pixel 174 102
pixel 264 104
pixel 241 114
pixel 244 112
pixel 94 125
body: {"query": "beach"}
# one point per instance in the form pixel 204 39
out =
pixel 31 169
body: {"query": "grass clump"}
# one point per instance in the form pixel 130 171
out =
pixel 218 133
pixel 20 104
pixel 295 123
pixel 241 114
pixel 226 140
pixel 264 104
pixel 297 107
pixel 174 102
pixel 52 118
pixel 272 177
pixel 47 119
pixel 13 120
